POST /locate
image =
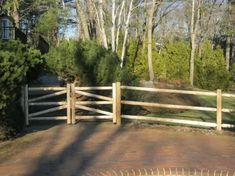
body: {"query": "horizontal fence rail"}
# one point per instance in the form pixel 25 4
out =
pixel 170 106
pixel 72 104
pixel 167 120
pixel 47 96
pixel 47 111
pixel 94 88
pixel 46 88
pixel 48 103
pixel 102 117
pixel 94 95
pixel 51 92
pixel 93 102
pixel 228 95
pixel 50 118
pixel 169 91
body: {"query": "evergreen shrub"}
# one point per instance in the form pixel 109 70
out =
pixel 16 61
pixel 87 63
pixel 210 69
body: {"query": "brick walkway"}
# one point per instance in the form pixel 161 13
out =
pixel 92 147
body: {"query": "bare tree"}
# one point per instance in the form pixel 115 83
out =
pixel 92 19
pixel 113 43
pixel 84 31
pixel 126 33
pixel 209 21
pixel 228 37
pixel 102 27
pixel 150 39
pixel 193 32
pixel 16 15
pixel 119 23
pixel 153 22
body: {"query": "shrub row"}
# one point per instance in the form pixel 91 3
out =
pixel 171 62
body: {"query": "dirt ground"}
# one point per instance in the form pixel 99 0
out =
pixel 64 150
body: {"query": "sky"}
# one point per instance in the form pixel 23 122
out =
pixel 71 31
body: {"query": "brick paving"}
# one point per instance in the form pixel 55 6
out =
pixel 64 150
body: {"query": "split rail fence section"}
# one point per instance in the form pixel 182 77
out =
pixel 72 103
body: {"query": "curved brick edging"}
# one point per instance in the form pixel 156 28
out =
pixel 162 172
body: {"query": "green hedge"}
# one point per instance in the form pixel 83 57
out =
pixel 210 69
pixel 171 63
pixel 16 60
pixel 86 63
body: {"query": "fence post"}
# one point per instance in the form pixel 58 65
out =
pixel 73 103
pixel 22 99
pixel 118 103
pixel 219 110
pixel 26 105
pixel 114 96
pixel 68 104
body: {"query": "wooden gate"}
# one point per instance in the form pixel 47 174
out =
pixel 92 102
pixel 101 104
pixel 34 97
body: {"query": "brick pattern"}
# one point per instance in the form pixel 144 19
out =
pixel 162 172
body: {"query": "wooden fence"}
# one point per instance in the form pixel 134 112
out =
pixel 72 104
pixel 37 101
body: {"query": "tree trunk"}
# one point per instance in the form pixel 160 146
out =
pixel 80 34
pixel 192 59
pixel 228 38
pixel 83 20
pixel 193 36
pixel 227 54
pixel 92 22
pixel 98 24
pixel 144 27
pixel 150 37
pixel 102 28
pixel 113 25
pixel 126 34
pixel 63 4
pixel 200 49
pixel 16 15
pixel 119 24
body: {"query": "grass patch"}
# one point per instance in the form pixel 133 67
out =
pixel 180 99
pixel 204 116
